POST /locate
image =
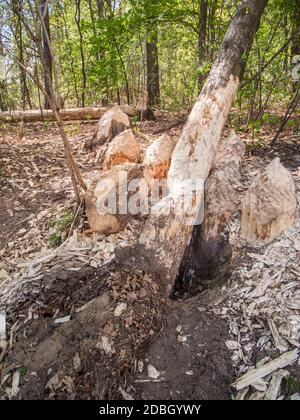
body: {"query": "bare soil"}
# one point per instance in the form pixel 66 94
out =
pixel 199 368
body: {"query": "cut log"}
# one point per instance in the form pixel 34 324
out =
pixel 209 252
pixel 124 148
pixel 169 229
pixel 270 205
pixel 73 114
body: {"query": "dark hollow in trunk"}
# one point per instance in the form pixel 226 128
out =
pixel 208 256
pixel 205 264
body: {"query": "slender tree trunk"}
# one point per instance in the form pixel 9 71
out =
pixel 169 229
pixel 153 82
pixel 48 67
pixel 83 71
pixel 3 101
pixel 17 10
pixel 101 53
pixel 202 35
pixel 295 49
pixel 67 34
pixel 296 23
pixel 100 8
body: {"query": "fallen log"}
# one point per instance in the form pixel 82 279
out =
pixel 72 114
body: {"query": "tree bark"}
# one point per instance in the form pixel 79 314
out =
pixel 3 101
pixel 203 7
pixel 295 49
pixel 209 253
pixel 296 23
pixel 100 8
pixel 17 11
pixel 48 65
pixel 83 71
pixel 75 114
pixel 153 82
pixel 164 239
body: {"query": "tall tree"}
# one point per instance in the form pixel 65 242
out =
pixel 166 235
pixel 153 81
pixel 100 8
pixel 82 56
pixel 202 35
pixel 296 25
pixel 3 102
pixel 18 35
pixel 47 56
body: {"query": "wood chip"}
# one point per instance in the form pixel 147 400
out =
pixel 242 394
pixel 260 385
pixel 254 375
pixel 275 384
pixel 15 384
pixel 280 343
pixel 125 395
pixel 120 309
pixel 106 345
pixel 60 321
pixel 153 373
pixel 2 328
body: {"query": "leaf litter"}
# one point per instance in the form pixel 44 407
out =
pixel 263 295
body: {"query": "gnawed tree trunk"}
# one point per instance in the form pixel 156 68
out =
pixel 74 114
pixel 116 324
pixel 209 254
pixel 165 237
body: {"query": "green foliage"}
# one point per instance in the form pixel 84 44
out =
pixel 115 55
pixel 65 221
pixel 73 130
pixel 23 371
pixel 60 228
pixel 291 385
pixel 55 240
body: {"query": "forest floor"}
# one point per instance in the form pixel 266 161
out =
pixel 56 291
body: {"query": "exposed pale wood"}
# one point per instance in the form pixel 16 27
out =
pixel 208 252
pixel 278 340
pixel 73 114
pixel 165 237
pixel 270 205
pixel 2 327
pixel 253 376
